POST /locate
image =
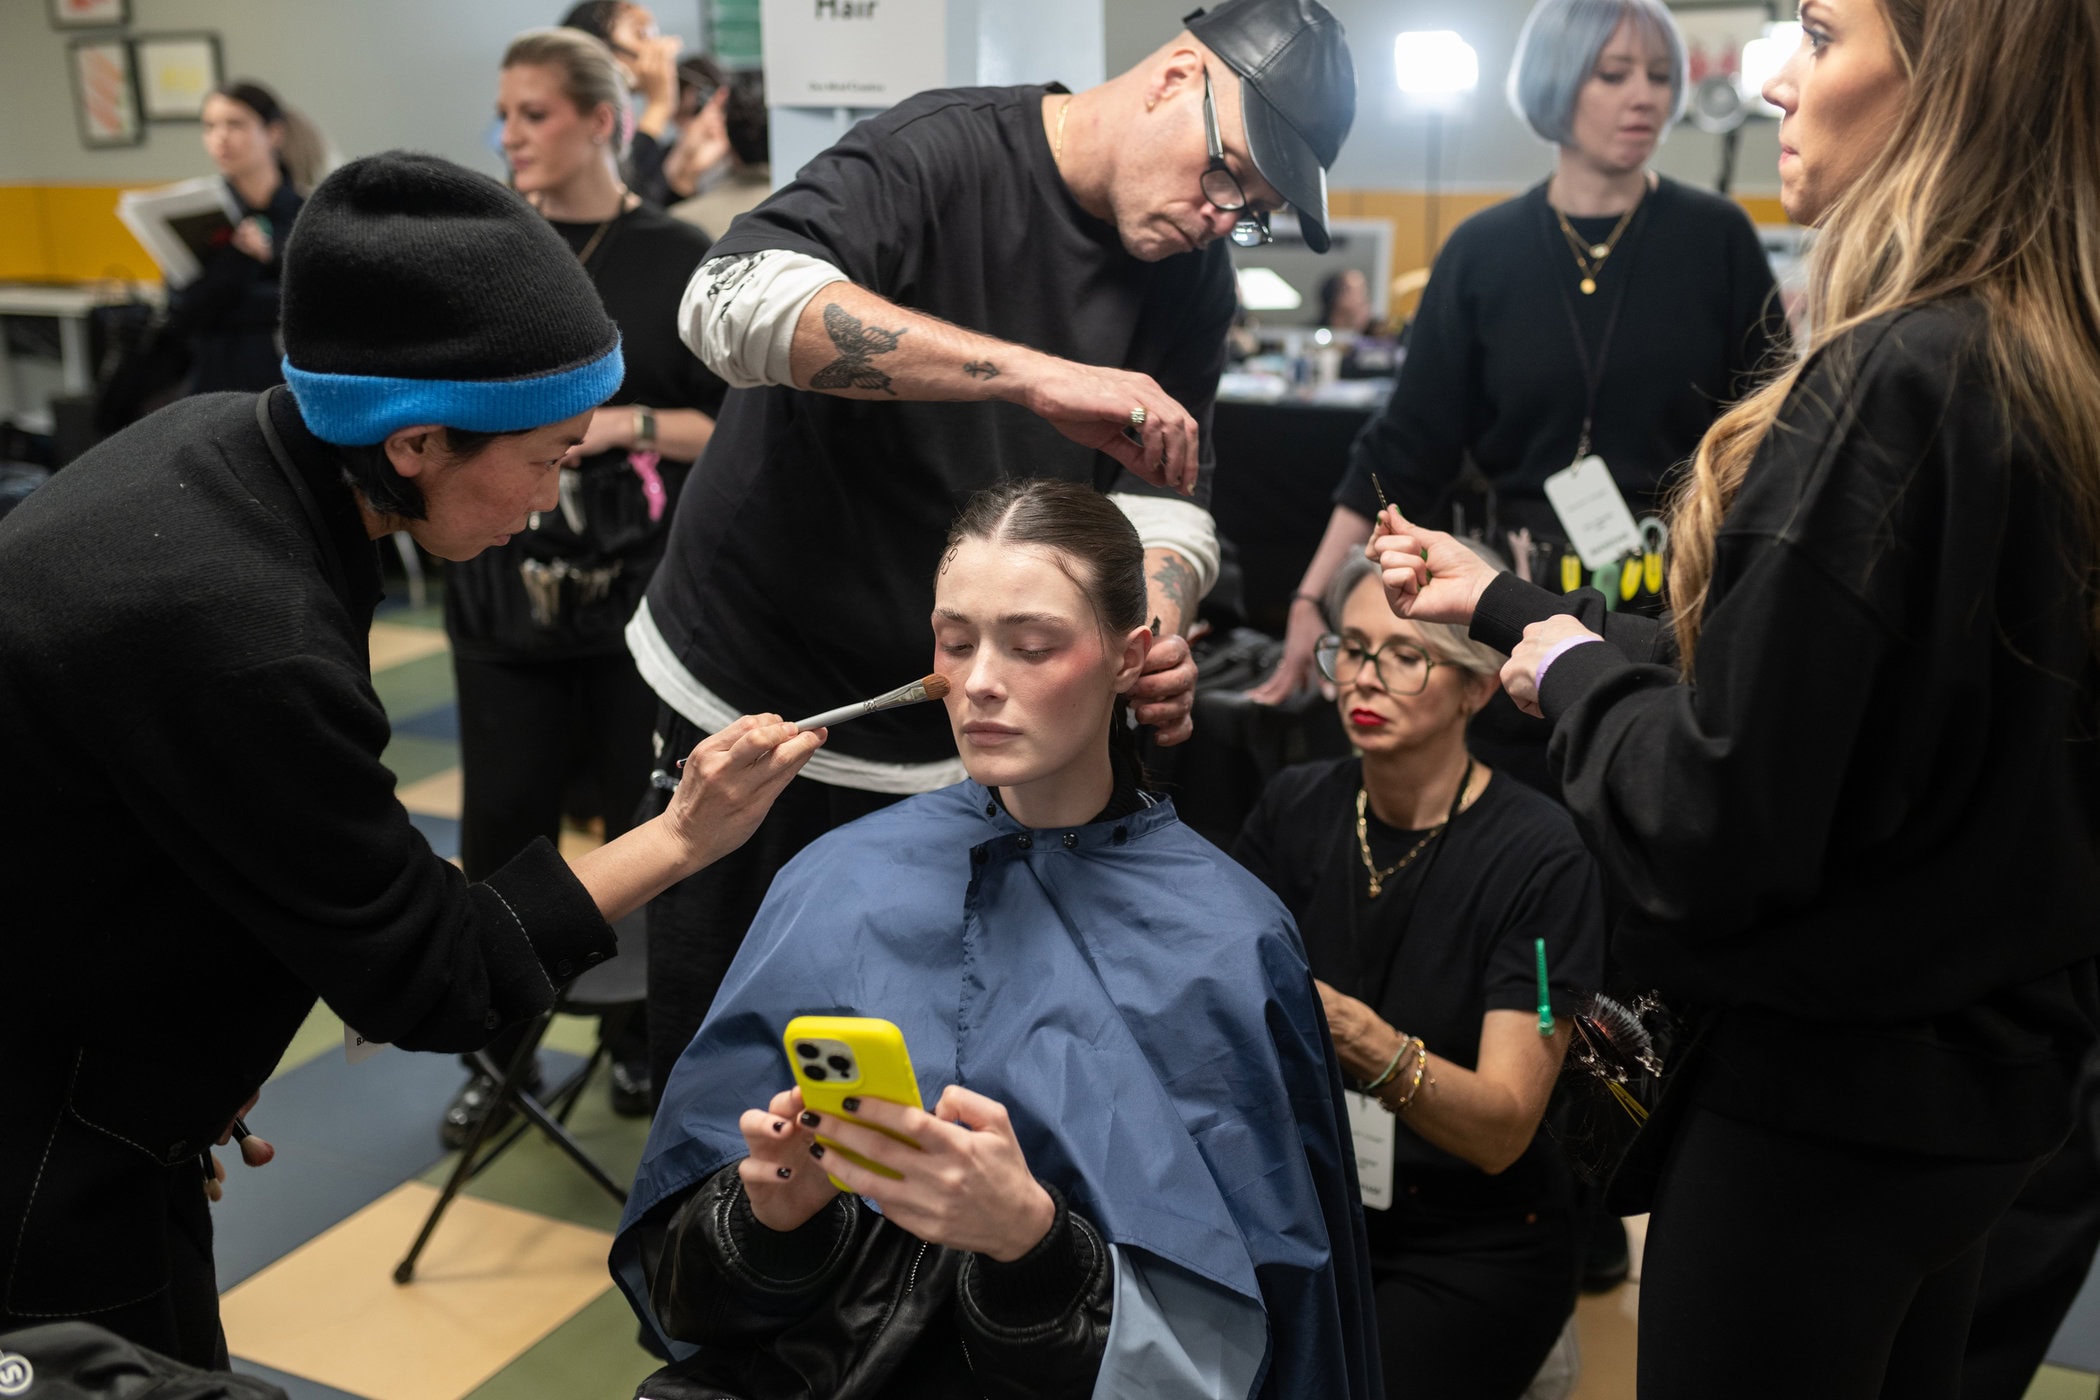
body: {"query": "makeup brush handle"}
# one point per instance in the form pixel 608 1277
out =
pixel 838 716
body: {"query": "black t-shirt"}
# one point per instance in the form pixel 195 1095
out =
pixel 640 267
pixel 1493 372
pixel 1449 939
pixel 800 571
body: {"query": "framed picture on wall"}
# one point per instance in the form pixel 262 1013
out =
pixel 105 93
pixel 85 14
pixel 176 73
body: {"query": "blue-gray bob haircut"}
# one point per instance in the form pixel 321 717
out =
pixel 1558 50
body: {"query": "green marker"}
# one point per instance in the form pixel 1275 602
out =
pixel 1545 996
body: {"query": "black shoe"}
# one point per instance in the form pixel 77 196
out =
pixel 472 1104
pixel 1606 1261
pixel 631 1090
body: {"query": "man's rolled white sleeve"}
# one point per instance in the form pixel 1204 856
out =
pixel 740 311
pixel 1182 526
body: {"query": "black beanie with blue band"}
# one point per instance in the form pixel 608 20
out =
pixel 416 291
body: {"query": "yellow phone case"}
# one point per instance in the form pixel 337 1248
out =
pixel 839 1057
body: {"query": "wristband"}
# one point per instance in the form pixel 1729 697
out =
pixel 1555 652
pixel 644 427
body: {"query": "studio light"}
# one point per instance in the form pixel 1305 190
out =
pixel 1435 62
pixel 1761 59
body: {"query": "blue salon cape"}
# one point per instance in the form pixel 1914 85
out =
pixel 1140 1004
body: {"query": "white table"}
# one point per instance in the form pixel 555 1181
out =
pixel 70 307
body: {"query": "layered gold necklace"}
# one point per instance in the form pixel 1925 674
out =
pixel 1590 257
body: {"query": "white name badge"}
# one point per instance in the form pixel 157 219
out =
pixel 1592 512
pixel 356 1049
pixel 1377 1135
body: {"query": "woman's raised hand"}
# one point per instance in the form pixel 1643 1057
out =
pixel 966 1186
pixel 785 1187
pixel 1429 576
pixel 730 780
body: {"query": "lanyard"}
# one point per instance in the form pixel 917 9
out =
pixel 1592 373
pixel 324 545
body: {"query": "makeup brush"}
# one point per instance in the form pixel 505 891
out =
pixel 926 688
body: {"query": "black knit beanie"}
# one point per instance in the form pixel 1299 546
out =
pixel 416 291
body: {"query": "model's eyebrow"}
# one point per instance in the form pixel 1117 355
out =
pixel 1008 619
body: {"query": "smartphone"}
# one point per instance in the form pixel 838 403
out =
pixel 839 1057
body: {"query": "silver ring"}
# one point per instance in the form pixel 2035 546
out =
pixel 1137 416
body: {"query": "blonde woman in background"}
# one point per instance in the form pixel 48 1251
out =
pixel 1851 791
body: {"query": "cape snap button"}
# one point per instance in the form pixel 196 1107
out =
pixel 991 809
pixel 1026 843
pixel 1122 834
pixel 1071 840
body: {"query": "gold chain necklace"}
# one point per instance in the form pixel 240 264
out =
pixel 1057 142
pixel 1363 846
pixel 584 256
pixel 1589 257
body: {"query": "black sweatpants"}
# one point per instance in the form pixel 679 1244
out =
pixel 1778 1264
pixel 525 728
pixel 696 926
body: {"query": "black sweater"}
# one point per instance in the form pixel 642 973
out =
pixel 199 834
pixel 1870 832
pixel 1492 370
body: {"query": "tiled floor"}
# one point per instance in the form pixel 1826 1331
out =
pixel 511 1300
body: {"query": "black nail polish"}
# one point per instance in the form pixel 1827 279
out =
pixel 850 1105
pixel 780 1125
pixel 816 1149
pixel 784 1172
pixel 809 1119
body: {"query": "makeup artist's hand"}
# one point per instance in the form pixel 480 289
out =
pixel 1520 674
pixel 1165 690
pixel 1428 575
pixel 966 1185
pixel 1363 1041
pixel 1091 405
pixel 729 782
pixel 785 1186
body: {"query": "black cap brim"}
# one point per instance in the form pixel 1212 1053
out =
pixel 1287 162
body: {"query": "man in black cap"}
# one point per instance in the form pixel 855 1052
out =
pixel 979 283
pixel 202 832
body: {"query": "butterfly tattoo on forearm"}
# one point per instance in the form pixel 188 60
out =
pixel 857 344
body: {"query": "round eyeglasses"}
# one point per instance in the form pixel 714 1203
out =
pixel 1401 667
pixel 1222 188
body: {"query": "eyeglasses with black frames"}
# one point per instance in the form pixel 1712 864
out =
pixel 1222 188
pixel 1401 667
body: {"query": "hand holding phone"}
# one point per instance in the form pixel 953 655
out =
pixel 835 1058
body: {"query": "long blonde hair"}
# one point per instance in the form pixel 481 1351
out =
pixel 1991 189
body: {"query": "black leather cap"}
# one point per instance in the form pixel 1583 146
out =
pixel 1297 91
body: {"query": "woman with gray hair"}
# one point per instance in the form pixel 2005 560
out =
pixel 1605 312
pixel 1450 920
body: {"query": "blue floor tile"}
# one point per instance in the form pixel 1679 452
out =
pixel 439 722
pixel 345 1136
pixel 441 832
pixel 297 1387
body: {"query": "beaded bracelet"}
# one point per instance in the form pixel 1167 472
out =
pixel 1392 1067
pixel 1421 1069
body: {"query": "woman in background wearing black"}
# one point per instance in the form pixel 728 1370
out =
pixel 546 687
pixel 1511 363
pixel 1856 805
pixel 228 316
pixel 1421 883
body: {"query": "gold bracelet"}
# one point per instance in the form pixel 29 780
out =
pixel 1421 1070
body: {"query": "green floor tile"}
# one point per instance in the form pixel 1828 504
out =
pixel 415 686
pixel 2050 1383
pixel 534 1175
pixel 431 614
pixel 322 1033
pixel 592 1354
pixel 412 758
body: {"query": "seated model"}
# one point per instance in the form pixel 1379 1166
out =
pixel 1135 1174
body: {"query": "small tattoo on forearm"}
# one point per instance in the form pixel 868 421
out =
pixel 1178 582
pixel 981 369
pixel 857 345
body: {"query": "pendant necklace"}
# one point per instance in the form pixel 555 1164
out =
pixel 1590 257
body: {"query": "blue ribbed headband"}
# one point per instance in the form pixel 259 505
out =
pixel 357 410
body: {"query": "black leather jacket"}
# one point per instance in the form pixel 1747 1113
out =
pixel 851 1307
